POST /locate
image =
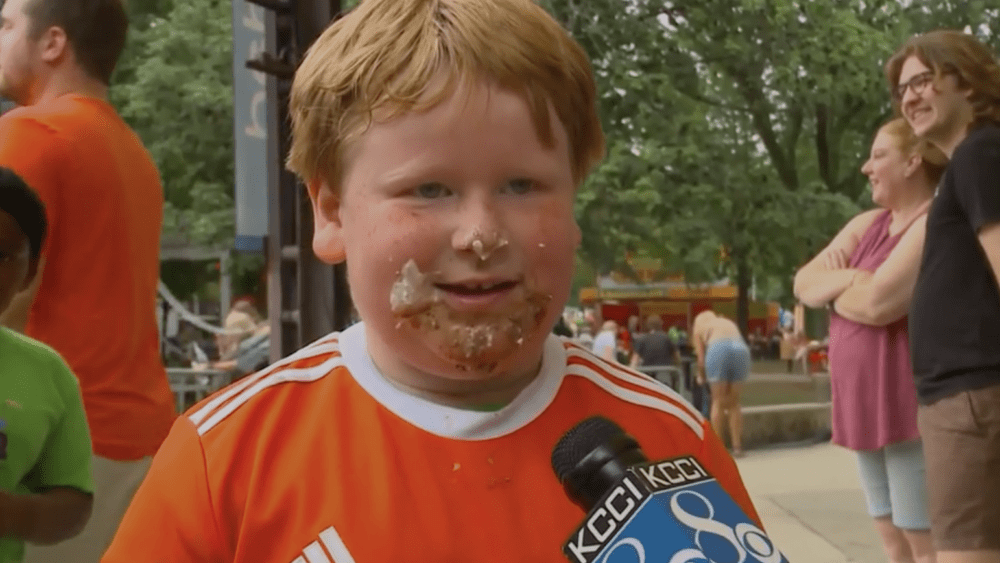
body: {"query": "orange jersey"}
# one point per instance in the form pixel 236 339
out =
pixel 96 304
pixel 319 459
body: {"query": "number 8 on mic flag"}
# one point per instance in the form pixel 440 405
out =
pixel 669 511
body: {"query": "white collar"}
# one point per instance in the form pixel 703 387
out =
pixel 452 422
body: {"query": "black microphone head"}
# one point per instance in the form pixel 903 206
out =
pixel 592 457
pixel 580 441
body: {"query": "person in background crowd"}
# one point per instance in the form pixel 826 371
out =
pixel 630 335
pixel 251 354
pixel 606 342
pixel 946 84
pixel 774 345
pixel 867 274
pixel 675 334
pixel 654 348
pixel 240 323
pixel 561 328
pixel 793 343
pixel 585 337
pixel 683 342
pixel 724 362
pixel 46 486
pixel 756 341
pixel 94 298
pixel 245 346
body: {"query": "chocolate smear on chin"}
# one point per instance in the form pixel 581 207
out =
pixel 480 342
pixel 475 342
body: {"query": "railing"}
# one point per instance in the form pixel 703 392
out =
pixel 672 376
pixel 192 385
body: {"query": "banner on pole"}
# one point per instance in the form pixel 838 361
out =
pixel 250 100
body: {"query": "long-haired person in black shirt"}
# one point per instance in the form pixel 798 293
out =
pixel 947 86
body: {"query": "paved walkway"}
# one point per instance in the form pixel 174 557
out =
pixel 811 504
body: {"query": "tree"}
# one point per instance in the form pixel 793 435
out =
pixel 173 85
pixel 738 123
pixel 175 90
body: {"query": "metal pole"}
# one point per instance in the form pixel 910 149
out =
pixel 306 298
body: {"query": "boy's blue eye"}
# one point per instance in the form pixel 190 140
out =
pixel 432 190
pixel 520 186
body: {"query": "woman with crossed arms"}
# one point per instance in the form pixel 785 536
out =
pixel 867 275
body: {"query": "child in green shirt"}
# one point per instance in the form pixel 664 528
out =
pixel 46 486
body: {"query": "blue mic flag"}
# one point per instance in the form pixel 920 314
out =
pixel 670 511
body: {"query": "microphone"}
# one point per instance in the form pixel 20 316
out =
pixel 670 511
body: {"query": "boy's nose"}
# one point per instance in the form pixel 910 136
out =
pixel 480 232
pixel 483 245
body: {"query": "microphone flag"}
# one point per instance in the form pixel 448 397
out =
pixel 670 511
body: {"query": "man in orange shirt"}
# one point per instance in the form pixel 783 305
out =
pixel 94 300
pixel 442 142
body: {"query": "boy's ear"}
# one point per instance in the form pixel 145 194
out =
pixel 328 241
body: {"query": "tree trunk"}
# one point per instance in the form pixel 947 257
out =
pixel 743 281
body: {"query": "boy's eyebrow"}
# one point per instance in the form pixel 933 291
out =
pixel 408 171
pixel 416 170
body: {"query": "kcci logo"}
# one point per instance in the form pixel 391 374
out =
pixel 670 512
pixel 714 541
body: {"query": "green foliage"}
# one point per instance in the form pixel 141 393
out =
pixel 246 271
pixel 732 124
pixel 584 275
pixel 174 87
pixel 186 278
pixel 739 124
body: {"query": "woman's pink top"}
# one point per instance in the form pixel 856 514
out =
pixel 874 397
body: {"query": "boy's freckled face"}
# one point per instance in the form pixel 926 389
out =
pixel 469 194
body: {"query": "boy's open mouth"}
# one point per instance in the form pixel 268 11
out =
pixel 474 321
pixel 476 289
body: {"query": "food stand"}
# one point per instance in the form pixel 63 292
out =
pixel 653 290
